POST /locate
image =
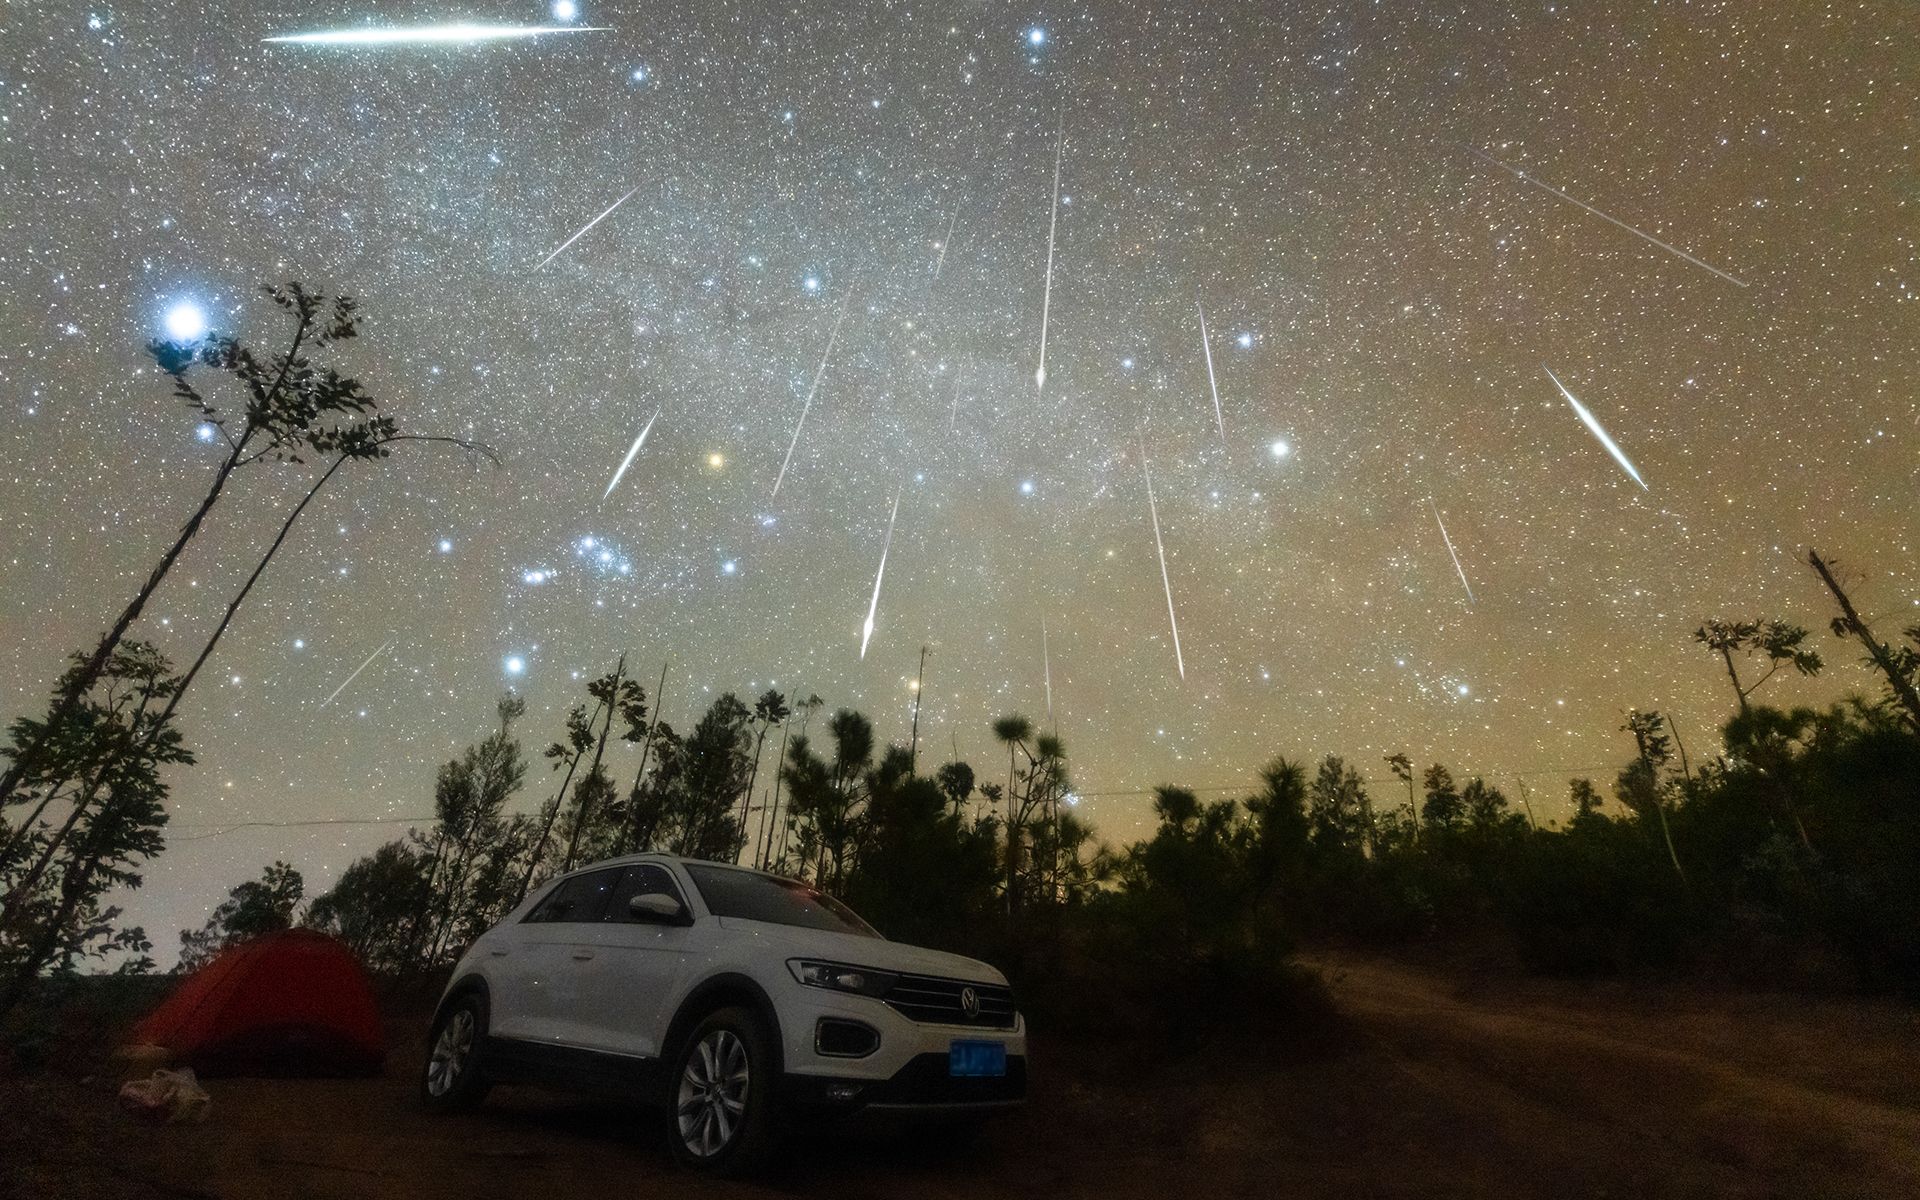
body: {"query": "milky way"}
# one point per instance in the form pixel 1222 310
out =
pixel 1380 304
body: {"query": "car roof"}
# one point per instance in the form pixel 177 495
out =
pixel 649 856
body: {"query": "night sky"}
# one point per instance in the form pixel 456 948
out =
pixel 1382 309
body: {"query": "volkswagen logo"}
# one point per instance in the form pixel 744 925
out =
pixel 970 1003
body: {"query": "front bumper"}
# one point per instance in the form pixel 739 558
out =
pixel 922 1085
pixel 908 1070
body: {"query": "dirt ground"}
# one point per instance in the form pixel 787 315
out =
pixel 1449 1084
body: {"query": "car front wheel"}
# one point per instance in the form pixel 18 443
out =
pixel 453 1079
pixel 721 1119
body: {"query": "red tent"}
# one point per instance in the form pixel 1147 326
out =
pixel 289 1003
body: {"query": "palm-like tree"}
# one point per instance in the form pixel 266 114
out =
pixel 1015 731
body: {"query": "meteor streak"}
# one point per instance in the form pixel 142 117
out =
pixel 945 242
pixel 1053 225
pixel 1449 542
pixel 384 647
pixel 873 606
pixel 1593 427
pixel 1046 668
pixel 1160 548
pixel 583 229
pixel 1670 249
pixel 833 337
pixel 953 412
pixel 426 35
pixel 631 452
pixel 1206 347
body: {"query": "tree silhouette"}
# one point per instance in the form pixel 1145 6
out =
pixel 1777 642
pixel 258 906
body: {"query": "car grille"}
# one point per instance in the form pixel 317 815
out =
pixel 937 1002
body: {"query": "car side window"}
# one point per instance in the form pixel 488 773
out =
pixel 639 880
pixel 581 898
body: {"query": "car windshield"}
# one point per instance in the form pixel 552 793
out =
pixel 755 897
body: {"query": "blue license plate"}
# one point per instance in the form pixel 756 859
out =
pixel 976 1059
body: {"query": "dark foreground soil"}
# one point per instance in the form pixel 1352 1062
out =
pixel 1444 1084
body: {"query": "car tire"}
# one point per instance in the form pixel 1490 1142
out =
pixel 721 1097
pixel 454 1078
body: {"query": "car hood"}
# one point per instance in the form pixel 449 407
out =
pixel 877 953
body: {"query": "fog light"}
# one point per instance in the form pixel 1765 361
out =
pixel 839 1038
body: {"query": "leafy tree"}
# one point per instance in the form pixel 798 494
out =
pixel 289 407
pixel 955 780
pixel 1640 785
pixel 697 780
pixel 769 710
pixel 1339 812
pixel 1776 642
pixel 470 851
pixel 256 907
pixel 1442 807
pixel 375 906
pixel 95 802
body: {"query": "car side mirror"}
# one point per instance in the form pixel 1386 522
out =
pixel 658 908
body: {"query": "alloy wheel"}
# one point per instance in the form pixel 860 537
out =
pixel 451 1052
pixel 712 1100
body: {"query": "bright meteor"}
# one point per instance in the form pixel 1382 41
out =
pixel 583 229
pixel 1450 551
pixel 833 337
pixel 1675 250
pixel 1206 348
pixel 631 452
pixel 426 35
pixel 1160 548
pixel 1053 225
pixel 873 606
pixel 384 647
pixel 1593 426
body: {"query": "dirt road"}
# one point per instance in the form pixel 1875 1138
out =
pixel 1450 1087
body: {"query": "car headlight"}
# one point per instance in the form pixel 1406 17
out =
pixel 841 978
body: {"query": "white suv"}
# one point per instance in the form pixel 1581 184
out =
pixel 731 997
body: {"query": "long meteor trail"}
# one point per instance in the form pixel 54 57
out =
pixel 945 242
pixel 833 337
pixel 1206 347
pixel 873 606
pixel 1449 541
pixel 1053 226
pixel 1160 548
pixel 631 452
pixel 1593 427
pixel 384 647
pixel 1670 249
pixel 458 33
pixel 583 229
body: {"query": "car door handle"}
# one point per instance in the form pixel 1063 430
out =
pixel 582 955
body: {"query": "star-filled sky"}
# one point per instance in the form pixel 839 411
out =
pixel 843 210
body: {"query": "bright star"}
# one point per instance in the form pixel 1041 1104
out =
pixel 1036 36
pixel 1462 689
pixel 716 460
pixel 446 546
pixel 206 431
pixel 186 322
pixel 515 665
pixel 1026 487
pixel 565 10
pixel 299 643
pixel 1244 341
pixel 811 283
pixel 1279 448
pixel 729 567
